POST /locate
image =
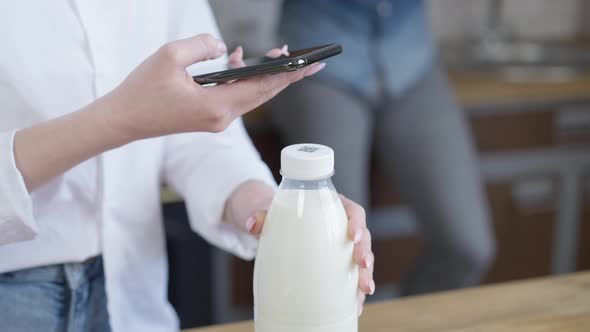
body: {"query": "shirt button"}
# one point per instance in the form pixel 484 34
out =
pixel 384 8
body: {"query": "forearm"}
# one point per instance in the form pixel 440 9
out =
pixel 248 199
pixel 49 149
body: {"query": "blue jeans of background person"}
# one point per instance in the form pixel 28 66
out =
pixel 383 52
pixel 64 297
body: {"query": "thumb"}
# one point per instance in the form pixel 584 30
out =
pixel 188 51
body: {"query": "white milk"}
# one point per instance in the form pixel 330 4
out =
pixel 305 279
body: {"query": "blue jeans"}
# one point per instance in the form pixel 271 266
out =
pixel 63 297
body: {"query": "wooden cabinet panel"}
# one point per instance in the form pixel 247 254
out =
pixel 525 130
pixel 583 260
pixel 509 132
pixel 242 281
pixel 395 257
pixel 524 240
pixel 584 238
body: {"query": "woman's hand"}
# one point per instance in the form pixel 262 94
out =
pixel 246 208
pixel 160 97
pixel 363 255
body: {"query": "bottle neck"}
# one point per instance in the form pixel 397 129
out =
pixel 288 183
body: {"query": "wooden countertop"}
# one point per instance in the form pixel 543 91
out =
pixel 538 305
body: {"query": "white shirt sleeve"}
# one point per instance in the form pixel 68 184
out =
pixel 205 169
pixel 16 209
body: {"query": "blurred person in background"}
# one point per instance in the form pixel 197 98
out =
pixel 386 93
pixel 85 144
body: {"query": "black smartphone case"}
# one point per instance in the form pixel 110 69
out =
pixel 297 59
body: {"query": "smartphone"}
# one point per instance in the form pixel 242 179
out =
pixel 264 66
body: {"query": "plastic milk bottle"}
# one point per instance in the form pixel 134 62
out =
pixel 305 279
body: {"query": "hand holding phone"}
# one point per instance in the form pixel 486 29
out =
pixel 267 65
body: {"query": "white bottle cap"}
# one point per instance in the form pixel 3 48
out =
pixel 307 162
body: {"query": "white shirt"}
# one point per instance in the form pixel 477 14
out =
pixel 58 56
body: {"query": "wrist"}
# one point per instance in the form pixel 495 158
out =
pixel 112 122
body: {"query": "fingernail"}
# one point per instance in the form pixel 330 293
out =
pixel 221 46
pixel 368 261
pixel 285 49
pixel 358 236
pixel 250 223
pixel 372 287
pixel 361 308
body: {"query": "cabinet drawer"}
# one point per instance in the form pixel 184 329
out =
pixel 509 132
pixel 539 128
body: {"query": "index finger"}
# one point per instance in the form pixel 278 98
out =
pixel 236 58
pixel 277 52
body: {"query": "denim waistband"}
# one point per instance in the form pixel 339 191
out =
pixel 72 274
